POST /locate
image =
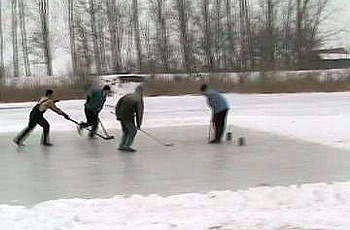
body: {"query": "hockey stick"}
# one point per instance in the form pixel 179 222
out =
pixel 104 130
pixel 156 139
pixel 97 134
pixel 153 137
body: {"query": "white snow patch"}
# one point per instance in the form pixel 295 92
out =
pixel 314 206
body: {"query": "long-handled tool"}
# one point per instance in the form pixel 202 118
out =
pixel 96 133
pixel 104 130
pixel 211 132
pixel 156 139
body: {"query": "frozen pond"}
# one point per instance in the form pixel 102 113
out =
pixel 77 167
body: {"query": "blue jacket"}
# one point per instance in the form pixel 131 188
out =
pixel 216 101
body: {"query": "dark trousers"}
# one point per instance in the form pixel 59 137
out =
pixel 92 120
pixel 36 118
pixel 129 133
pixel 219 121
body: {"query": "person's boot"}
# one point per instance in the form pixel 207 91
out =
pixel 47 144
pixel 91 135
pixel 18 143
pixel 214 142
pixel 129 149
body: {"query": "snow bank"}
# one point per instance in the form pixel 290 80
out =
pixel 314 206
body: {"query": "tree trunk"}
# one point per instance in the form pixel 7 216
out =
pixel 111 15
pixel 208 38
pixel 85 63
pixel 162 33
pixel 246 36
pixel 2 64
pixel 22 16
pixel 184 37
pixel 137 34
pixel 44 19
pixel 72 36
pixel 14 39
pixel 269 39
pixel 94 35
pixel 230 52
pixel 218 38
pixel 102 47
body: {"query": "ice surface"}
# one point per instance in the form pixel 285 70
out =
pixel 80 169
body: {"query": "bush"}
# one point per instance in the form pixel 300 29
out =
pixel 14 94
pixel 267 83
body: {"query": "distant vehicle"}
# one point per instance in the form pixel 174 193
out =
pixel 124 78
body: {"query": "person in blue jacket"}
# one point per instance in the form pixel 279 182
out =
pixel 95 100
pixel 219 107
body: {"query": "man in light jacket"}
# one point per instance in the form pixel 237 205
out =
pixel 219 107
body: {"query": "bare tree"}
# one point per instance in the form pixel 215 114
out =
pixel 247 50
pixel 45 43
pixel 267 35
pixel 230 47
pixel 22 16
pixel 2 64
pixel 14 39
pixel 207 38
pixel 182 7
pixel 218 37
pixel 113 15
pixel 159 12
pixel 72 39
pixel 83 54
pixel 137 35
pixel 102 44
pixel 308 18
pixel 287 36
pixel 97 54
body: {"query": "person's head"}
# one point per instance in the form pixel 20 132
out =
pixel 139 90
pixel 106 90
pixel 49 93
pixel 203 88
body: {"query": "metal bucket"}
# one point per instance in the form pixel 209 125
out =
pixel 229 136
pixel 241 141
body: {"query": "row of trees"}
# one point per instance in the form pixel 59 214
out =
pixel 165 35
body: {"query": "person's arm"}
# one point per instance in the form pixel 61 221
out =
pixel 117 108
pixel 103 100
pixel 139 113
pixel 88 96
pixel 57 110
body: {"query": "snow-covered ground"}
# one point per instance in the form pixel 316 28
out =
pixel 317 117
pixel 317 206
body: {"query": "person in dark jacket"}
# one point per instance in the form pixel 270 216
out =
pixel 128 109
pixel 37 118
pixel 95 100
pixel 219 107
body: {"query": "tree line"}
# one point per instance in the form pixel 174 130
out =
pixel 114 36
